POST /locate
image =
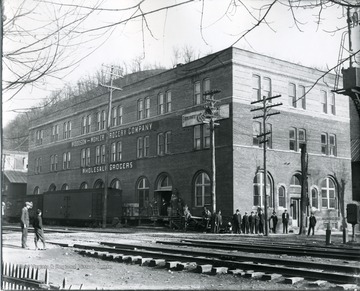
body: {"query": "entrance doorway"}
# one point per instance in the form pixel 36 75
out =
pixel 295 211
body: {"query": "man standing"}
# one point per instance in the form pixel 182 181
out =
pixel 218 222
pixel 273 222
pixel 38 229
pixel 257 223
pixel 252 222
pixel 285 221
pixel 237 221
pixel 25 224
pixel 312 223
pixel 261 221
pixel 246 223
pixel 206 214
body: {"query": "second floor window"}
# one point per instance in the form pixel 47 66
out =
pixel 167 142
pixel 53 163
pixel 120 115
pixel 168 101
pixel 332 145
pixel 103 154
pixel 292 95
pixel 139 147
pixel 140 109
pixel 38 165
pixel 66 160
pixel 323 96
pixel 332 104
pixel 161 103
pixel 160 144
pixel 103 119
pixel 201 136
pixel 67 130
pixel 39 137
pixel 297 137
pixel 114 116
pixel 55 133
pixel 97 155
pixel 197 93
pixel 119 150
pixel 324 144
pixel 113 152
pixel 147 107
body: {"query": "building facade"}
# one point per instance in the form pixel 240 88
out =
pixel 159 146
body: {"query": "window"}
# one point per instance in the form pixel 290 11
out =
pixel 38 165
pixel 160 142
pixel 206 85
pixel 332 103
pixel 119 150
pixel 140 109
pixel 302 96
pixel 120 115
pixel 99 184
pixel 292 95
pixel 55 133
pixel 168 101
pixel 197 137
pixel 65 187
pixel 67 130
pixel 103 154
pixel 328 197
pixel 256 94
pixel 301 137
pixel 332 145
pixel 98 121
pixel 88 124
pixel 314 198
pixel 64 161
pixel 113 116
pixel 88 157
pixel 113 152
pixel 39 136
pixel 115 184
pixel 53 163
pixel 143 191
pixel 83 157
pixel 147 107
pixel 139 147
pixel 202 190
pixel 323 101
pixel 146 146
pixel 52 187
pixel 36 190
pixel 258 190
pixel 97 155
pixel 161 103
pixel 197 93
pixel 206 135
pixel 167 142
pixel 256 133
pixel 103 119
pixel 83 125
pixel 324 144
pixel 292 139
pixel 68 160
pixel 267 87
pixel 282 201
pixel 84 185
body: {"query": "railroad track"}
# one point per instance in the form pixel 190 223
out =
pixel 213 260
pixel 352 254
pixel 9 229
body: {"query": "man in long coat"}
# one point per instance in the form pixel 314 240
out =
pixel 237 221
pixel 245 223
pixel 312 223
pixel 24 222
pixel 261 221
pixel 285 221
pixel 252 222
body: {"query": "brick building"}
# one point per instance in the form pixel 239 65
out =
pixel 159 147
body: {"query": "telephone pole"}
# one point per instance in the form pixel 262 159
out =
pixel 211 114
pixel 266 106
pixel 304 190
pixel 111 88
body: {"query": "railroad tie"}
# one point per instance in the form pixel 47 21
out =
pixel 171 264
pixel 237 272
pixel 293 280
pixel 143 261
pixel 132 259
pixel 270 277
pixel 347 287
pixel 254 275
pixel 219 270
pixel 118 257
pixel 204 268
pixel 157 263
pixel 186 266
pixel 317 283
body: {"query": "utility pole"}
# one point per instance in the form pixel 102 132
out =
pixel 304 190
pixel 107 142
pixel 211 114
pixel 266 105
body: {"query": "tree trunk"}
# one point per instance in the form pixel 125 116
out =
pixel 304 196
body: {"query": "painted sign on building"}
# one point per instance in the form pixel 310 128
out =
pixel 84 141
pixel 112 167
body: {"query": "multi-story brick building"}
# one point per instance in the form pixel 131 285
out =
pixel 159 148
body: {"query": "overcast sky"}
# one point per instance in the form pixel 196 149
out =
pixel 177 27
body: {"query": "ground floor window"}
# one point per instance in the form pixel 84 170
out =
pixel 115 184
pixel 328 190
pixel 99 184
pixel 52 187
pixel 314 198
pixel 282 199
pixel 202 190
pixel 36 190
pixel 258 190
pixel 84 185
pixel 143 189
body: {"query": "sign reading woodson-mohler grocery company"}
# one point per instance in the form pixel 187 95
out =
pixel 197 117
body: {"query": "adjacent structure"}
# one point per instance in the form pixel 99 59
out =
pixel 159 144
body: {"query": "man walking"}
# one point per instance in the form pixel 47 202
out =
pixel 312 223
pixel 39 230
pixel 24 222
pixel 285 221
pixel 237 221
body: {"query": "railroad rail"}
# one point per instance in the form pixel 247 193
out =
pixel 243 263
pixel 291 250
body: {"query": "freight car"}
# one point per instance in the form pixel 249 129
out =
pixel 71 207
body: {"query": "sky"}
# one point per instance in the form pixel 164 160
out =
pixel 206 26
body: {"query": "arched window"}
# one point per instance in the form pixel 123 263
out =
pixel 84 185
pixel 115 184
pixel 314 198
pixel 202 190
pixel 65 187
pixel 282 197
pixel 143 191
pixel 295 184
pixel 328 193
pixel 52 187
pixel 36 190
pixel 99 184
pixel 258 188
pixel 164 183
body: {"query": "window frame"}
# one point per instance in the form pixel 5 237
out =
pixel 202 190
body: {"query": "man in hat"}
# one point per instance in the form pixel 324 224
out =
pixel 237 221
pixel 273 222
pixel 312 223
pixel 25 223
pixel 285 221
pixel 38 229
pixel 252 222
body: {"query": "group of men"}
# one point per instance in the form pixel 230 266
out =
pixel 37 224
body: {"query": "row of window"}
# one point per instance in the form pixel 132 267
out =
pixel 261 86
pixel 297 137
pixel 202 190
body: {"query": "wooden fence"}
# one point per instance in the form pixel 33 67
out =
pixel 20 277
